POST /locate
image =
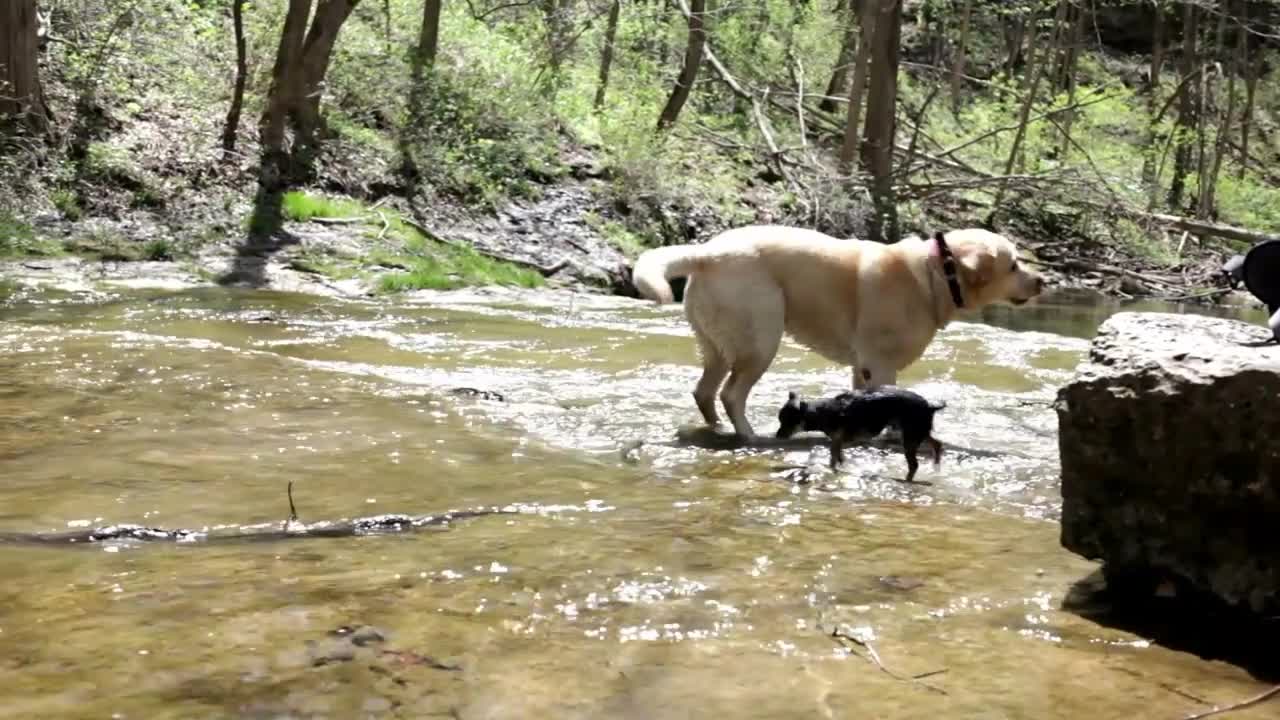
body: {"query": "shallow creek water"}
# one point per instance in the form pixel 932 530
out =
pixel 670 582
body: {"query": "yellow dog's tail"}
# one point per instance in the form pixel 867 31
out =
pixel 654 268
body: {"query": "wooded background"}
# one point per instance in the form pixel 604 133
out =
pixel 1147 124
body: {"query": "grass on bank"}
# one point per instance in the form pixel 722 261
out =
pixel 432 264
pixel 18 239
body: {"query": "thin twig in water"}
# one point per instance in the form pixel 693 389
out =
pixel 1246 703
pixel 293 511
pixel 875 659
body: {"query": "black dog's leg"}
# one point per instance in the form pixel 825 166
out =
pixel 910 446
pixel 912 463
pixel 837 451
pixel 937 450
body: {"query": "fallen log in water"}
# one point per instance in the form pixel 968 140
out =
pixel 264 532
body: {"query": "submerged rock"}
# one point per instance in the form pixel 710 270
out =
pixel 1169 437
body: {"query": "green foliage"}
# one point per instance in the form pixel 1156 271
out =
pixel 104 244
pixel 68 203
pixel 1252 200
pixel 158 249
pixel 19 239
pixel 141 86
pixel 301 206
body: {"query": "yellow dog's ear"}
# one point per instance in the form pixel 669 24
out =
pixel 978 262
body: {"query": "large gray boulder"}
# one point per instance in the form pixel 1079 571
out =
pixel 1169 437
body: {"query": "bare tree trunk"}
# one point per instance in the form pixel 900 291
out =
pixel 302 60
pixel 21 96
pixel 1187 120
pixel 1014 30
pixel 317 52
pixel 661 47
pixel 606 52
pixel 429 35
pixel 386 27
pixel 1036 64
pixel 557 19
pixel 961 56
pixel 1206 174
pixel 1237 64
pixel 882 106
pixel 284 91
pixel 232 127
pixel 869 16
pixel 689 71
pixel 1074 40
pixel 1251 73
pixel 848 49
pixel 1154 137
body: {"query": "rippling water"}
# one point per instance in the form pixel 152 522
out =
pixel 669 582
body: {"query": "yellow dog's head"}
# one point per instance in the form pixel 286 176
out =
pixel 990 270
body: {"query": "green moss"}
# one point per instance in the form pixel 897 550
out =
pixel 436 266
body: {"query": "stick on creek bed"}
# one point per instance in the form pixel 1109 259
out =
pixel 291 529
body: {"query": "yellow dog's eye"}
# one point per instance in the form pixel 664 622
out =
pixel 1014 266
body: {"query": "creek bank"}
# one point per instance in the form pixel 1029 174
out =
pixel 1170 460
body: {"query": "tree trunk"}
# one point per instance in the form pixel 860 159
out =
pixel 1205 175
pixel 285 83
pixel 1238 60
pixel 961 56
pixel 1036 64
pixel 689 72
pixel 555 14
pixel 848 50
pixel 232 127
pixel 386 27
pixel 302 60
pixel 21 97
pixel 606 52
pixel 882 106
pixel 1014 30
pixel 1186 121
pixel 869 16
pixel 1154 138
pixel 429 35
pixel 317 53
pixel 1074 40
pixel 1251 73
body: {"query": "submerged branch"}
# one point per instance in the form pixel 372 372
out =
pixel 264 532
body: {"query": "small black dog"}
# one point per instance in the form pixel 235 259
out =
pixel 864 413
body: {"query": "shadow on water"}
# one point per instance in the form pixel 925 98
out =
pixel 1191 623
pixel 264 237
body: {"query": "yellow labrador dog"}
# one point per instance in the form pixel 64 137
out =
pixel 872 306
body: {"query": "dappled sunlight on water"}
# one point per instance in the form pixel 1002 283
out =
pixel 635 575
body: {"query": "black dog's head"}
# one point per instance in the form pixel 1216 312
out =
pixel 791 416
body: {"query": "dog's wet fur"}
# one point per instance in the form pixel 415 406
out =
pixel 862 414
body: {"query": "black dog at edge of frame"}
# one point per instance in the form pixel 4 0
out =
pixel 864 413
